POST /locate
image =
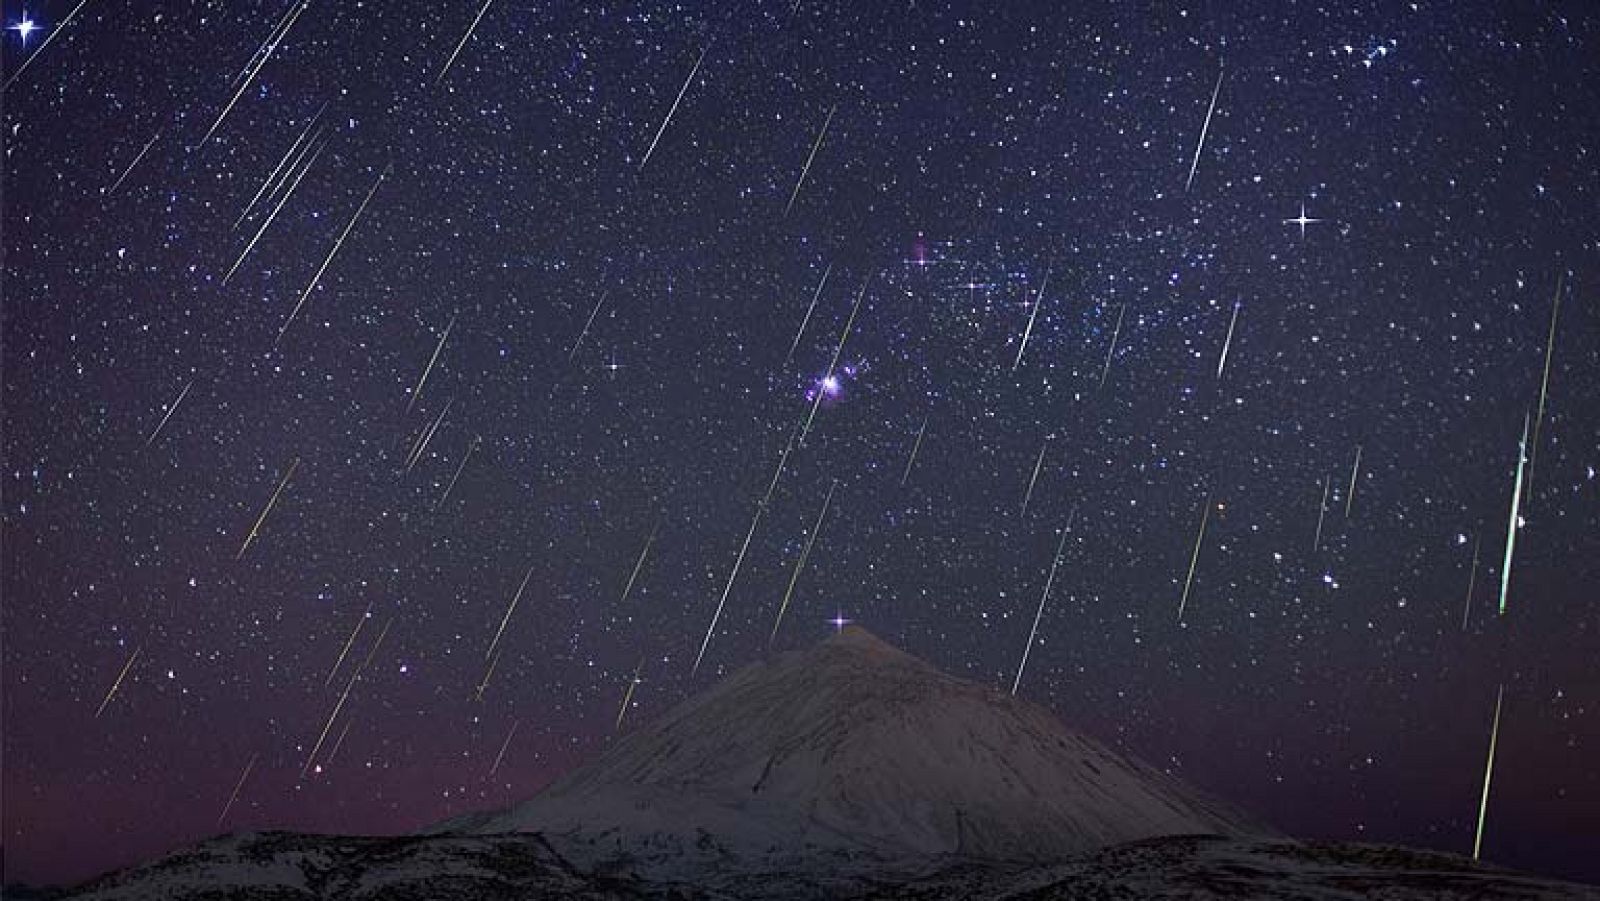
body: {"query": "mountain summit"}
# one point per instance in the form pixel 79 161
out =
pixel 855 747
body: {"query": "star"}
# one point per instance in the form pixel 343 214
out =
pixel 24 27
pixel 839 622
pixel 1301 221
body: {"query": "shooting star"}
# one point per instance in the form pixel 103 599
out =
pixel 777 474
pixel 1037 465
pixel 760 508
pixel 801 563
pixel 670 112
pixel 272 180
pixel 579 343
pixel 423 439
pixel 293 465
pixel 1472 581
pixel 279 32
pixel 639 564
pixel 1544 384
pixel 1488 773
pixel 118 183
pixel 509 610
pixel 337 744
pixel 501 756
pixel 417 391
pixel 1350 496
pixel 628 696
pixel 1195 557
pixel 478 695
pixel 371 652
pixel 1322 511
pixel 235 796
pixel 1106 369
pixel 172 408
pixel 1200 145
pixel 1228 341
pixel 29 61
pixel 118 684
pixel 267 222
pixel 1038 301
pixel 331 253
pixel 1032 633
pixel 806 321
pixel 834 363
pixel 917 446
pixel 463 42
pixel 1511 527
pixel 471 446
pixel 812 156
pixel 348 642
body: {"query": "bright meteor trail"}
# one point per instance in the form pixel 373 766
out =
pixel 664 122
pixel 1038 301
pixel 1488 773
pixel 1195 557
pixel 813 155
pixel 760 508
pixel 801 563
pixel 1511 527
pixel 1200 145
pixel 1032 633
pixel 267 509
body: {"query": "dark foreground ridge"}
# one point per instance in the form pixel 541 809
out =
pixel 848 770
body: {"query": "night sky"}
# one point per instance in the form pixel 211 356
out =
pixel 1391 198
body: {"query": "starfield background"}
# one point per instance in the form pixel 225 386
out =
pixel 396 393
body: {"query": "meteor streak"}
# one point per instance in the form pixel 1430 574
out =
pixel 1322 510
pixel 417 391
pixel 170 410
pixel 233 797
pixel 1038 301
pixel 1037 464
pixel 1511 527
pixel 1032 633
pixel 279 32
pixel 423 439
pixel 1200 145
pixel 346 650
pixel 471 446
pixel 639 564
pixel 760 509
pixel 336 245
pixel 1106 370
pixel 118 183
pixel 806 321
pixel 501 756
pixel 1544 385
pixel 778 473
pixel 632 684
pixel 272 178
pixel 914 448
pixel 1228 341
pixel 267 509
pixel 337 744
pixel 1350 496
pixel 670 112
pixel 579 343
pixel 1195 557
pixel 509 610
pixel 1472 579
pixel 1488 773
pixel 801 563
pixel 478 695
pixel 118 684
pixel 371 652
pixel 820 135
pixel 267 222
pixel 834 363
pixel 463 42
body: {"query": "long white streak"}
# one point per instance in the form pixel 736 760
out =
pixel 674 109
pixel 471 446
pixel 820 135
pixel 914 448
pixel 593 313
pixel 760 508
pixel 628 695
pixel 1195 557
pixel 1037 465
pixel 1544 385
pixel 347 644
pixel 1472 580
pixel 354 677
pixel 245 85
pixel 1511 527
pixel 148 144
pixel 1200 145
pixel 336 245
pixel 170 410
pixel 417 391
pixel 235 796
pixel 55 31
pixel 800 564
pixel 265 223
pixel 426 437
pixel 463 42
pixel 1106 369
pixel 337 744
pixel 834 363
pixel 778 473
pixel 262 48
pixel 501 756
pixel 272 177
pixel 1355 470
pixel 118 684
pixel 1488 773
pixel 487 674
pixel 509 610
pixel 639 564
pixel 1032 633
pixel 807 321
pixel 1038 301
pixel 267 509
pixel 1322 511
pixel 1228 341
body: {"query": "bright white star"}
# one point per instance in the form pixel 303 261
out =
pixel 24 27
pixel 1301 221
